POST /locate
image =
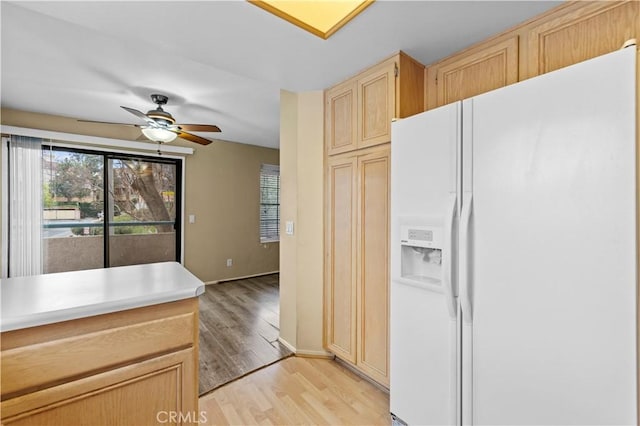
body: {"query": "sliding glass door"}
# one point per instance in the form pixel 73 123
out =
pixel 135 220
pixel 142 211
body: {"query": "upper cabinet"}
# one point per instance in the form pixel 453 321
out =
pixel 341 115
pixel 570 33
pixel 376 104
pixel 580 33
pixel 483 68
pixel 359 111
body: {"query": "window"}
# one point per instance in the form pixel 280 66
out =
pixel 104 209
pixel 269 203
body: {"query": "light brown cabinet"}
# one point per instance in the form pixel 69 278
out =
pixel 129 367
pixel 341 117
pixel 376 104
pixel 359 111
pixel 568 34
pixel 340 234
pixel 578 33
pixel 358 115
pixel 486 67
pixel 357 275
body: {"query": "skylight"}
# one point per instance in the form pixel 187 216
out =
pixel 319 17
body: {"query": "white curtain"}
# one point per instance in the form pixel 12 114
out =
pixel 25 206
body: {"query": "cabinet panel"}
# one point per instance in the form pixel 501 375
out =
pixel 134 394
pixel 376 94
pixel 410 87
pixel 340 315
pixel 592 30
pixel 83 354
pixel 340 120
pixel 373 273
pixel 473 73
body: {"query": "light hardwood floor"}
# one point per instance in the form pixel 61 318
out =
pixel 298 391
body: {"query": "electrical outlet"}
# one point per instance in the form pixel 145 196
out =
pixel 229 262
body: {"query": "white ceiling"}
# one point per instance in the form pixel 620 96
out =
pixel 220 62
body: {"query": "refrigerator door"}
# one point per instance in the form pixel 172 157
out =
pixel 424 211
pixel 552 226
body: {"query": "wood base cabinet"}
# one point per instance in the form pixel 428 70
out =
pixel 131 367
pixel 357 274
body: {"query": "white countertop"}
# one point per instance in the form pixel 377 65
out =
pixel 49 298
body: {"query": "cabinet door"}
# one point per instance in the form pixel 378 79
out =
pixel 141 393
pixel 340 119
pixel 592 30
pixel 376 104
pixel 373 270
pixel 481 70
pixel 340 276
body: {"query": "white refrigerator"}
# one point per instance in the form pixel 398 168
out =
pixel 513 254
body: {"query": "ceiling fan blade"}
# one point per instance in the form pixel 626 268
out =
pixel 140 115
pixel 193 138
pixel 107 122
pixel 199 127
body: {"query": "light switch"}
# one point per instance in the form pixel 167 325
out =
pixel 289 227
pixel 192 218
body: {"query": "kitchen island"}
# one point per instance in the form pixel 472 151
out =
pixel 104 346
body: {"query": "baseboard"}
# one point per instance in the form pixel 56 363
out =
pixel 302 353
pixel 361 374
pixel 287 345
pixel 315 354
pixel 240 278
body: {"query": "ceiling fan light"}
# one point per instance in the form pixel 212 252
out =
pixel 158 135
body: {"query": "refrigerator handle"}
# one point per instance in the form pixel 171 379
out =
pixel 465 259
pixel 447 257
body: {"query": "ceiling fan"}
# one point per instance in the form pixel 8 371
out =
pixel 161 127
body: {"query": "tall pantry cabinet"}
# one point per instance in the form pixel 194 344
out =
pixel 358 114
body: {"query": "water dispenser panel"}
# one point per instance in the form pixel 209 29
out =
pixel 421 254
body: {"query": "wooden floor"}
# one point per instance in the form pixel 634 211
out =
pixel 298 391
pixel 239 323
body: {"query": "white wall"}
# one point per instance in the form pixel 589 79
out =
pixel 288 212
pixel 301 254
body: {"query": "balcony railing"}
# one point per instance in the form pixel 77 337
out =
pixel 73 253
pixel 79 224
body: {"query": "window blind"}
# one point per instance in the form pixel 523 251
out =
pixel 269 203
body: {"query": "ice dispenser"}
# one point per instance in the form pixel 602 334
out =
pixel 421 254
